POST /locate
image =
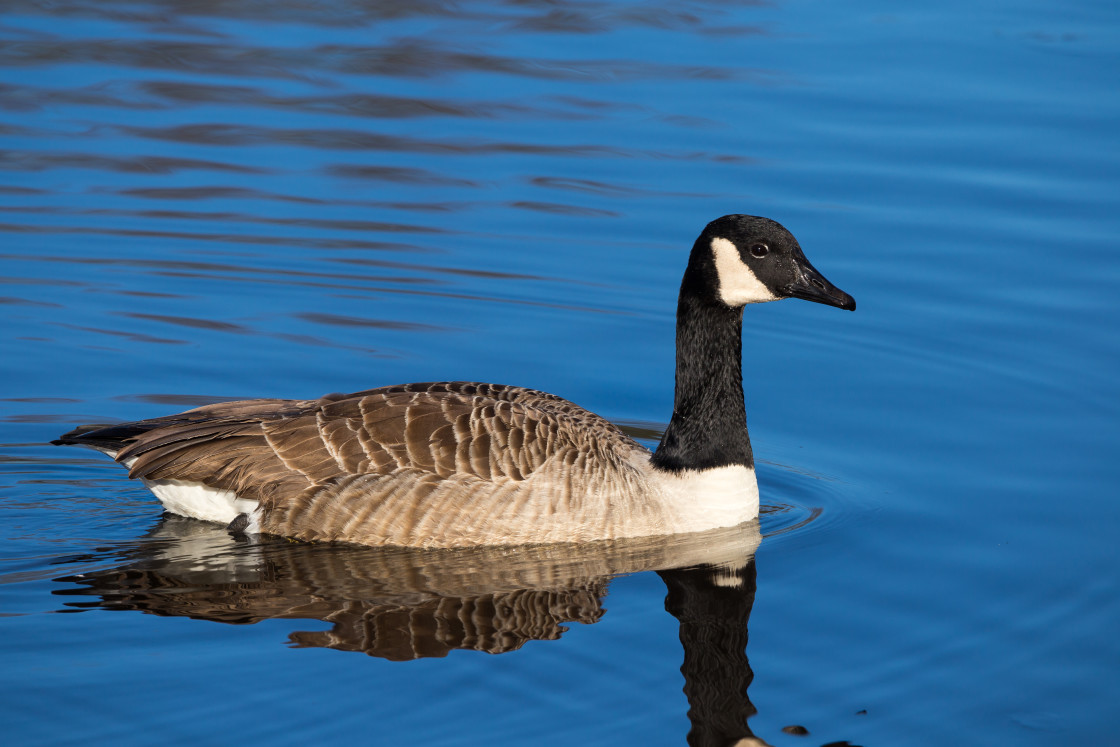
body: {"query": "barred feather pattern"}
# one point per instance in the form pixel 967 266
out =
pixel 434 464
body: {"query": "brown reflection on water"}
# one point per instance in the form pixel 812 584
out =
pixel 399 58
pixel 405 604
pixel 394 175
pixel 124 334
pixel 583 18
pixel 16 301
pixel 159 54
pixel 6 189
pixel 334 281
pixel 41 161
pixel 336 320
pixel 180 16
pixel 591 186
pixel 14 280
pixel 353 224
pixel 397 175
pixel 557 208
pixel 212 326
pixel 214 192
pixel 189 321
pixel 465 271
pixel 357 225
pixel 378 106
pixel 216 238
pixel 191 268
pixel 559 16
pixel 363 140
pixel 25 98
pixel 395 603
pixel 422 58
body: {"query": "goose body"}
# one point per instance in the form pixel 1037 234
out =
pixel 454 464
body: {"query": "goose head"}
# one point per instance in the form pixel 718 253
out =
pixel 743 259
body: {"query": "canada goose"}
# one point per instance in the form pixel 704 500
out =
pixel 455 464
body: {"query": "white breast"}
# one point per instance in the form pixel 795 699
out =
pixel 706 499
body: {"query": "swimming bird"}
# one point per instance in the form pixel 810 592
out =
pixel 457 464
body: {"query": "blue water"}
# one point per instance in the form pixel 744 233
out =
pixel 205 201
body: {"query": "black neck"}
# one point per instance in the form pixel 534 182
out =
pixel 709 424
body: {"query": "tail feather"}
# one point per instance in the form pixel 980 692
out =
pixel 110 437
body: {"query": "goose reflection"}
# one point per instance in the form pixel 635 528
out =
pixel 394 603
pixel 402 604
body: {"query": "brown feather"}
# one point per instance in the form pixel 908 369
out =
pixel 446 463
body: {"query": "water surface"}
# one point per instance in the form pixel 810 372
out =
pixel 208 201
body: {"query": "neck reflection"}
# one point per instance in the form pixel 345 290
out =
pixel 402 604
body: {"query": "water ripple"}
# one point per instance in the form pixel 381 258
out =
pixel 360 140
pixel 41 161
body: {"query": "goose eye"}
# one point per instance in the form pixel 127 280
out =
pixel 759 250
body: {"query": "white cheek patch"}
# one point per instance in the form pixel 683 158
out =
pixel 737 283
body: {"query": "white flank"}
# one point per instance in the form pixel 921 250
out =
pixel 199 501
pixel 737 283
pixel 706 499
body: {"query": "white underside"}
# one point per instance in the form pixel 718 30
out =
pixel 203 502
pixel 198 501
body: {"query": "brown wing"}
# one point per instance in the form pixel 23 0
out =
pixel 265 449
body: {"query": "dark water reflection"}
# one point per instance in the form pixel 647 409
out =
pixel 394 603
pixel 404 604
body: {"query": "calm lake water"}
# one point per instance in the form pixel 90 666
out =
pixel 217 200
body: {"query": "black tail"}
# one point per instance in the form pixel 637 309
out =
pixel 102 436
